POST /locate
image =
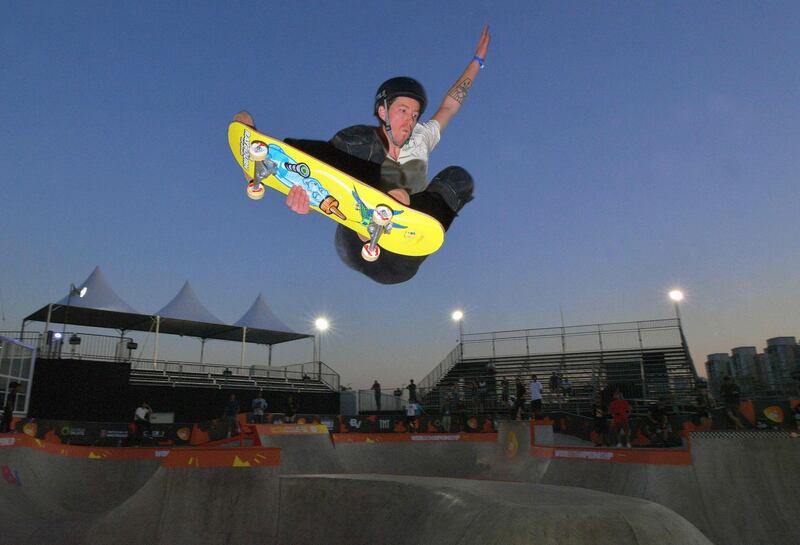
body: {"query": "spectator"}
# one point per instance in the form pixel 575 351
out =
pixel 730 399
pixel 8 407
pixel 657 424
pixel 491 385
pixel 482 393
pixel 412 391
pixel 518 407
pixel 473 393
pixel 536 397
pixel 259 406
pixel 555 384
pixel 291 410
pixel 797 416
pixel 620 412
pixel 229 415
pixel 704 405
pixel 600 425
pixel 411 416
pixel 141 422
pixel 504 392
pixel 398 392
pixel 376 389
pixel 606 397
pixel 447 409
pixel 566 387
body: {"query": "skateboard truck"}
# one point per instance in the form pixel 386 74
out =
pixel 381 222
pixel 263 169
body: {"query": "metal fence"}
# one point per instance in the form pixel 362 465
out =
pixel 71 345
pixel 17 364
pixel 646 360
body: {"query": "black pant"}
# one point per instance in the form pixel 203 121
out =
pixel 141 427
pixel 362 159
pixel 5 424
pixel 392 268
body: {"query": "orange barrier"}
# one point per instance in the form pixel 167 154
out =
pixel 225 457
pixel 290 429
pixel 618 455
pixel 169 457
pixel 413 437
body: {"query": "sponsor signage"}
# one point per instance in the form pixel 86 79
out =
pixel 583 454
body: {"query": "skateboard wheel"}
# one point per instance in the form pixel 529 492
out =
pixel 258 151
pixel 370 256
pixel 382 215
pixel 255 193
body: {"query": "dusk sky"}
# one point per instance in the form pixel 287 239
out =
pixel 619 149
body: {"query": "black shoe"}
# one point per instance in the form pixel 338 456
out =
pixel 455 186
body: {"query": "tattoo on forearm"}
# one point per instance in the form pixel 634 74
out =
pixel 460 90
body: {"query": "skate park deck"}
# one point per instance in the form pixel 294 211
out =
pixel 726 489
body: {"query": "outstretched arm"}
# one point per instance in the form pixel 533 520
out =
pixel 455 96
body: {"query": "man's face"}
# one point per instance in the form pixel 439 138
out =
pixel 403 115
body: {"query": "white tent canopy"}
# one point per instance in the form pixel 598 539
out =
pixel 259 316
pixel 100 306
pixel 186 306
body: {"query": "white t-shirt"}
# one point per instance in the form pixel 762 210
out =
pixel 411 409
pixel 141 413
pixel 259 405
pixel 536 390
pixel 410 171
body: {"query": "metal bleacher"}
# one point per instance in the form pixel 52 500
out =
pixel 312 377
pixel 307 377
pixel 646 361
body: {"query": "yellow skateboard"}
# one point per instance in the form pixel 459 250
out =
pixel 387 223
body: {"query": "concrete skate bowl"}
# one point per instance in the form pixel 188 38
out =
pixel 260 497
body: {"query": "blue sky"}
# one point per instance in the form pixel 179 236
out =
pixel 619 149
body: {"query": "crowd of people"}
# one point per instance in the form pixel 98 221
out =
pixel 612 413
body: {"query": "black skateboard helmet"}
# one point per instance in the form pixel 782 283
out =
pixel 401 87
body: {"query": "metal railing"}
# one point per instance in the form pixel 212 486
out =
pixel 646 360
pixel 389 402
pixel 441 370
pixel 71 345
pixel 581 338
pixel 89 346
pixel 299 376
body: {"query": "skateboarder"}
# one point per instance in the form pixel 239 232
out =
pixel 394 158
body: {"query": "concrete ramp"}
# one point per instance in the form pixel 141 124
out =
pixel 730 489
pixel 749 485
pixel 369 509
pixel 434 455
pixel 305 448
pixel 206 506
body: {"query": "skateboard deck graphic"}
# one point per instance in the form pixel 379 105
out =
pixel 334 193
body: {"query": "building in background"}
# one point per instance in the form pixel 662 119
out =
pixel 775 371
pixel 717 367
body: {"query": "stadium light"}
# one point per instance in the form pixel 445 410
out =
pixel 458 317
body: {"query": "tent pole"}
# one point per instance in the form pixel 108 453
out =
pixel 269 357
pixel 202 350
pixel 49 316
pixel 155 348
pixel 244 342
